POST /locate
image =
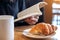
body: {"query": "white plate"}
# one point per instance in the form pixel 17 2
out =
pixel 26 33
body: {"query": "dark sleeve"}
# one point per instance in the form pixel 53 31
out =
pixel 20 23
pixel 8 8
pixel 20 4
pixel 30 3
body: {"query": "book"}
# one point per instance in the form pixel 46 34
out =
pixel 31 11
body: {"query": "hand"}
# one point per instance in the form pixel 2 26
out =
pixel 32 20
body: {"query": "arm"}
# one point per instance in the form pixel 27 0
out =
pixel 30 20
pixel 10 9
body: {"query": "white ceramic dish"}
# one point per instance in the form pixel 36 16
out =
pixel 26 33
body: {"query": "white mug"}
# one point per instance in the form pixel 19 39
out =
pixel 6 27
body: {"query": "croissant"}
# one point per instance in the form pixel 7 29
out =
pixel 43 28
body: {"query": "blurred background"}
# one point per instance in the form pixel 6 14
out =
pixel 52 12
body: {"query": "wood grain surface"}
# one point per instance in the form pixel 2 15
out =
pixel 19 36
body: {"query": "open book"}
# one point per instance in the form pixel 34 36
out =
pixel 31 11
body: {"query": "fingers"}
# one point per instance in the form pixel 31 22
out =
pixel 32 19
pixel 36 17
pixel 42 4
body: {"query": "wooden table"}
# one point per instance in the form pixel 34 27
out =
pixel 20 36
